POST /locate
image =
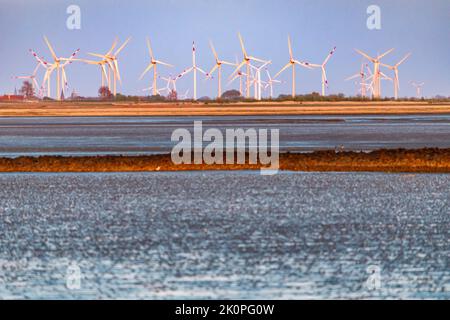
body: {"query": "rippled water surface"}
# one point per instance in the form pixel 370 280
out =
pixel 148 135
pixel 225 235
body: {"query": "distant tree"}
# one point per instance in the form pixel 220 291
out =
pixel 205 98
pixel 27 89
pixel 104 92
pixel 173 96
pixel 231 95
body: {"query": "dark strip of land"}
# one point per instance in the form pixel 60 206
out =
pixel 399 160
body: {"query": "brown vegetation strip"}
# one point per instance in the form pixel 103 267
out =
pixel 420 161
pixel 54 109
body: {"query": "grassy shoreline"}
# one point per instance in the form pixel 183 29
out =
pixel 397 160
pixel 85 109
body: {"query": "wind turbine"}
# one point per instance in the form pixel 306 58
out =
pixel 292 62
pixel 59 66
pixel 31 77
pixel 418 87
pixel 153 64
pixel 184 95
pixel 245 61
pixel 218 66
pixel 396 78
pixel 371 85
pixel 194 68
pixel 257 79
pixel 362 75
pixel 376 70
pixel 324 73
pixel 111 59
pixel 239 75
pixel 270 83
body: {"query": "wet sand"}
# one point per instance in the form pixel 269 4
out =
pixel 196 109
pixel 419 161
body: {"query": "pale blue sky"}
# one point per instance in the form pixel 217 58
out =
pixel 417 26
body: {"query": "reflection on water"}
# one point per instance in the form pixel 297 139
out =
pixel 225 235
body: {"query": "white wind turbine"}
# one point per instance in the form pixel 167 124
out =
pixel 58 65
pixel 194 69
pixel 245 61
pixel 111 59
pixel 376 68
pixel 396 78
pixel 239 75
pixel 292 62
pixel 363 77
pixel 324 73
pixel 31 77
pixel 257 79
pixel 371 85
pixel 47 66
pixel 270 83
pixel 418 87
pixel 184 95
pixel 218 66
pixel 153 64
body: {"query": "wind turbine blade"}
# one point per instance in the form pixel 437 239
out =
pixel 35 83
pixel 185 72
pixel 387 66
pixel 116 67
pixel 387 52
pixel 64 78
pixel 385 76
pixel 257 59
pixel 36 69
pixel 242 44
pixel 70 59
pixel 213 69
pixel 213 50
pixel 97 55
pixel 325 76
pixel 164 63
pixel 50 48
pixel 307 64
pixel 114 44
pixel 42 62
pixel 104 72
pixel 365 55
pixel 232 79
pixel 150 65
pixel 329 56
pixel 290 48
pixel 403 60
pixel 122 46
pixel 150 51
pixel 202 71
pixel 228 63
pixel 237 68
pixel 284 68
pixel 353 77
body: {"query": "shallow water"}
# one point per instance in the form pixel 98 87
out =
pixel 149 135
pixel 225 235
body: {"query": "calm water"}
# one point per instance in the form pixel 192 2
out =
pixel 225 235
pixel 147 135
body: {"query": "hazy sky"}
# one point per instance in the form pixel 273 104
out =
pixel 418 26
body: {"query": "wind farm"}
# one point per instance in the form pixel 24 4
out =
pixel 253 74
pixel 237 150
